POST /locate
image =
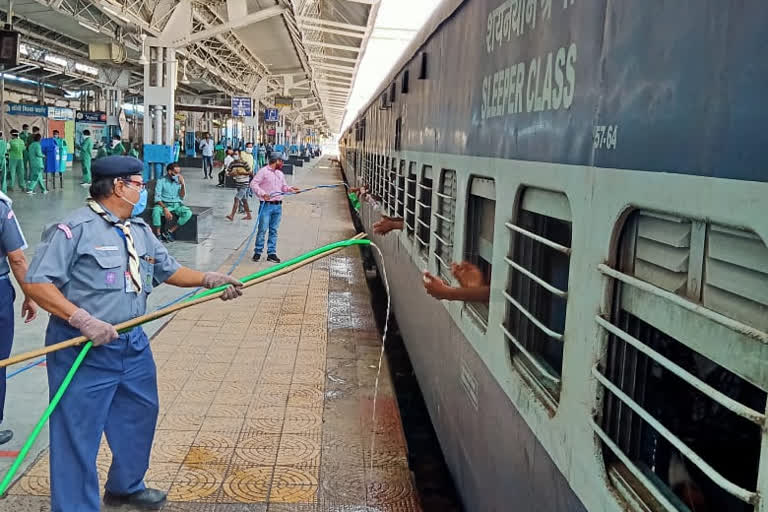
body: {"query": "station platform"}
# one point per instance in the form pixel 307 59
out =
pixel 266 402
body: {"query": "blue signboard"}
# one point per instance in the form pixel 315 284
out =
pixel 270 115
pixel 242 106
pixel 91 117
pixel 19 109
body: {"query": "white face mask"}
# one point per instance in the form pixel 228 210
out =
pixel 115 143
pixel 249 150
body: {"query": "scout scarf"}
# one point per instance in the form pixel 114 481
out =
pixel 133 257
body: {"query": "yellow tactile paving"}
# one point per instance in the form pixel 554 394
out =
pixel 253 410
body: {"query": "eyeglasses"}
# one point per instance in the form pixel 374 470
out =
pixel 140 184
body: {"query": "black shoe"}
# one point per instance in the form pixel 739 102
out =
pixel 148 499
pixel 256 257
pixel 273 258
pixel 168 236
pixel 5 436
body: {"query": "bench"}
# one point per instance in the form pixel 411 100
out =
pixel 197 229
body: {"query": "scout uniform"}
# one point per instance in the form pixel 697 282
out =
pixel 11 239
pixel 87 257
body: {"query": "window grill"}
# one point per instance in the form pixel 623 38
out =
pixel 481 214
pixel 400 203
pixel 444 223
pixel 681 393
pixel 404 88
pixel 392 186
pixel 425 211
pixel 539 260
pixel 410 201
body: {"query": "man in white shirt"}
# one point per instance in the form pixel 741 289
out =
pixel 206 147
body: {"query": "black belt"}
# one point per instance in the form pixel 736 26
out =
pixel 273 202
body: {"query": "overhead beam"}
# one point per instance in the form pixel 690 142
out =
pixel 253 18
pixel 332 67
pixel 307 20
pixel 333 57
pixel 338 32
pixel 333 46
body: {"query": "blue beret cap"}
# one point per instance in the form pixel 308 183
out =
pixel 276 155
pixel 117 166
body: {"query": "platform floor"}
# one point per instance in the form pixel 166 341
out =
pixel 267 402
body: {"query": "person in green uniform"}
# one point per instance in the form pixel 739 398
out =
pixel 134 152
pixel 26 139
pixel 3 167
pixel 102 152
pixel 16 153
pixel 117 146
pixel 36 165
pixel 85 157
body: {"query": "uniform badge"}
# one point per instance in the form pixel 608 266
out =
pixel 110 278
pixel 66 230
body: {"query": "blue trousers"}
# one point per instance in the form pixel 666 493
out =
pixel 269 218
pixel 113 392
pixel 7 296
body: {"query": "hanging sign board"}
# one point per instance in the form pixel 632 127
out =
pixel 242 106
pixel 21 109
pixel 91 117
pixel 283 101
pixel 270 115
pixel 9 48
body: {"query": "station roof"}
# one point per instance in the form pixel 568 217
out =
pixel 308 50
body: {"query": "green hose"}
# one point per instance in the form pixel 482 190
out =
pixel 78 361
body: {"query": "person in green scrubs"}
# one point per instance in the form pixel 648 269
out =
pixel 16 154
pixel 36 164
pixel 102 152
pixel 26 138
pixel 134 152
pixel 117 146
pixel 86 147
pixel 3 167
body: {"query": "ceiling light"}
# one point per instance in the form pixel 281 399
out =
pixel 55 59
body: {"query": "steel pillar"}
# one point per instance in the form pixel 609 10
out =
pixel 159 100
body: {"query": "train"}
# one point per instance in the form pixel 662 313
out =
pixel 604 163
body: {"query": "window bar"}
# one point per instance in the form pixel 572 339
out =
pixel 424 206
pixel 555 291
pixel 521 348
pixel 425 244
pixel 439 239
pixel 636 472
pixel 723 320
pixel 423 223
pixel 543 328
pixel 725 484
pixel 441 260
pixel 540 239
pixel 443 218
pixel 425 187
pixel 721 398
pixel 445 196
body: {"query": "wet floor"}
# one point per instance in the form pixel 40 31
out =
pixel 268 403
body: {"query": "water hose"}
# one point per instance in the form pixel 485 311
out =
pixel 205 296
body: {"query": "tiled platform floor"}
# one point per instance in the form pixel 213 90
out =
pixel 267 402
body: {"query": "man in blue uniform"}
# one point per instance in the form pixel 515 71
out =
pixel 12 245
pixel 92 271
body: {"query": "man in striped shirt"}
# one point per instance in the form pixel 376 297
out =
pixel 269 185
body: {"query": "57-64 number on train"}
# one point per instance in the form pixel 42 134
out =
pixel 605 137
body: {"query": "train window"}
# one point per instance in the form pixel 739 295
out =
pixel 398 134
pixel 539 261
pixel 423 66
pixel 481 215
pixel 445 213
pixel 392 185
pixel 683 398
pixel 392 89
pixel 404 87
pixel 401 190
pixel 410 200
pixel 425 211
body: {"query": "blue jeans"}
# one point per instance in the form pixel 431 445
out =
pixel 207 166
pixel 269 217
pixel 7 296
